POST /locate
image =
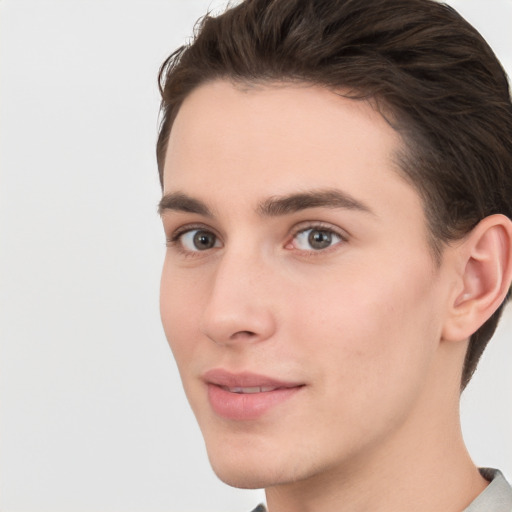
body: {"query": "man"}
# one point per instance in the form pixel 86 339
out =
pixel 337 184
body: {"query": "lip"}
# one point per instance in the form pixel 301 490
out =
pixel 246 396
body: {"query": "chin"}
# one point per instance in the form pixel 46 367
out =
pixel 242 478
pixel 249 476
pixel 253 467
pixel 242 468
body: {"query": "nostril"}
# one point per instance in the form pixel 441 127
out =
pixel 243 334
pixel 237 336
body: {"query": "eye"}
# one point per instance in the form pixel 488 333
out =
pixel 198 240
pixel 316 239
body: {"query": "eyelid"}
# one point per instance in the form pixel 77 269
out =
pixel 185 228
pixel 320 225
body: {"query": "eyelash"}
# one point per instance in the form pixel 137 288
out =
pixel 176 242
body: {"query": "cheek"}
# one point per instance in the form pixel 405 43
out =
pixel 368 355
pixel 370 332
pixel 180 307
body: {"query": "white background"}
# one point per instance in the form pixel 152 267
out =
pixel 93 417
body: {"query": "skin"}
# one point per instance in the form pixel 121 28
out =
pixel 359 323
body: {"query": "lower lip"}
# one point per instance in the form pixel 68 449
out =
pixel 246 406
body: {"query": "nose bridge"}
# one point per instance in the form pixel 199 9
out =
pixel 238 307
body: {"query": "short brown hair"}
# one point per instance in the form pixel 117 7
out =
pixel 427 70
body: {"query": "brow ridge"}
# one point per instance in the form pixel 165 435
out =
pixel 178 201
pixel 328 198
pixel 273 206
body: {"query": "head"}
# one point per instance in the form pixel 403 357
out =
pixel 424 68
pixel 408 77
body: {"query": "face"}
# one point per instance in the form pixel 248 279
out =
pixel 299 295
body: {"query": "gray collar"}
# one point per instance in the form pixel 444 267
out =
pixel 497 496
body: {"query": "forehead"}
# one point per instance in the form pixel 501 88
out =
pixel 229 142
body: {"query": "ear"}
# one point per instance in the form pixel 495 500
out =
pixel 485 260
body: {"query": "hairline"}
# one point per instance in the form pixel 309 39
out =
pixel 401 158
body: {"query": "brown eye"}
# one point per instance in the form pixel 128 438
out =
pixel 199 240
pixel 319 239
pixel 316 239
pixel 204 240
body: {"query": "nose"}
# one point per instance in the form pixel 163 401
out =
pixel 239 306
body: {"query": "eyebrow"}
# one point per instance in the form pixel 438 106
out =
pixel 328 198
pixel 180 202
pixel 273 206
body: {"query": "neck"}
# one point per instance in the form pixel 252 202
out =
pixel 418 475
pixel 423 466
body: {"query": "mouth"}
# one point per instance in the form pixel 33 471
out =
pixel 251 390
pixel 246 396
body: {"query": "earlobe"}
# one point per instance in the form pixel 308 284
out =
pixel 486 262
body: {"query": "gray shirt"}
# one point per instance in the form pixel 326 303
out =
pixel 496 497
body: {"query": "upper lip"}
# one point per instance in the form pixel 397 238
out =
pixel 224 378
